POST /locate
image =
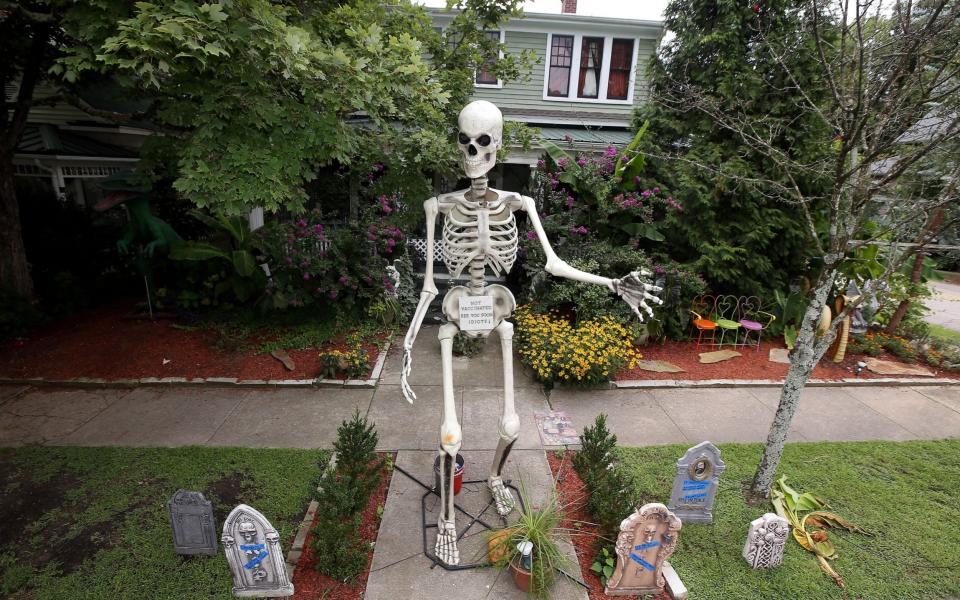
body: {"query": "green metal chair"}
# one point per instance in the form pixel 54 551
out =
pixel 727 317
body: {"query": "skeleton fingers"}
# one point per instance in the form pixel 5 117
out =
pixel 635 292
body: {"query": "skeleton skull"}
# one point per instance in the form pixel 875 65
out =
pixel 248 531
pixel 480 136
pixel 649 532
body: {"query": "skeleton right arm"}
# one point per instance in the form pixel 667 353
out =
pixel 431 209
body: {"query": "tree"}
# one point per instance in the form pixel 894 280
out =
pixel 741 238
pixel 253 95
pixel 886 68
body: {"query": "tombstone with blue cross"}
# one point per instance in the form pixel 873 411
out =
pixel 646 540
pixel 254 555
pixel 696 482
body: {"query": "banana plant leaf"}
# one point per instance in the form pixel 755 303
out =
pixel 197 251
pixel 555 152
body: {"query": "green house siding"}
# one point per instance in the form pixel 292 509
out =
pixel 528 94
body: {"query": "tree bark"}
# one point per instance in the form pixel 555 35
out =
pixel 14 270
pixel 933 225
pixel 807 352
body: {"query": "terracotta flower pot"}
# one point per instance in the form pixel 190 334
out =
pixel 521 577
pixel 497 547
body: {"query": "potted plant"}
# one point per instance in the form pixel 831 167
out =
pixel 530 546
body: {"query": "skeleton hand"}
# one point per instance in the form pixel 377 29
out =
pixel 634 292
pixel 405 369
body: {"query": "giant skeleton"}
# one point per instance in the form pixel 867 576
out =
pixel 480 231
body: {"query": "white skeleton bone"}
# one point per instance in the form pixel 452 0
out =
pixel 480 231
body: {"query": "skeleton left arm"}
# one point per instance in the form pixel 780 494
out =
pixel 631 288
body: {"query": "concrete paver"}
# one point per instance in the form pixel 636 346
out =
pixel 51 415
pixel 948 396
pixel 399 568
pixel 158 417
pixel 911 410
pixel 483 369
pixel 944 305
pixel 481 417
pixel 634 416
pixel 8 392
pixel 733 416
pixel 405 426
pixel 293 418
pixel 832 414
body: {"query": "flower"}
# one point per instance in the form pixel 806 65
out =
pixel 568 138
pixel 343 280
pixel 306 276
pixel 531 235
pixel 569 203
pixel 332 294
pixel 610 152
pixel 302 223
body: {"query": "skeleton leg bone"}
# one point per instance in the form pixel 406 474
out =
pixel 509 425
pixel 450 440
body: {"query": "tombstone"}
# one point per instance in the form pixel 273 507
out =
pixel 766 540
pixel 191 517
pixel 696 482
pixel 647 539
pixel 253 552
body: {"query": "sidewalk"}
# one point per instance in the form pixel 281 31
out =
pixel 308 418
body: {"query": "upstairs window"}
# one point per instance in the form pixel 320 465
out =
pixel 621 63
pixel 600 68
pixel 591 63
pixel 561 62
pixel 485 75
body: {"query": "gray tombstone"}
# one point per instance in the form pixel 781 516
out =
pixel 766 539
pixel 254 555
pixel 191 517
pixel 695 484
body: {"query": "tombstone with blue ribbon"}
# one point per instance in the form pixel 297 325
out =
pixel 646 540
pixel 696 482
pixel 254 555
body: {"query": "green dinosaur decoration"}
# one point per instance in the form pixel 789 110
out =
pixel 146 233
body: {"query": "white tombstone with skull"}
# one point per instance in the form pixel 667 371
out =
pixel 253 552
pixel 480 232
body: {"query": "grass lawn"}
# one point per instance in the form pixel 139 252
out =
pixel 944 333
pixel 91 523
pixel 906 492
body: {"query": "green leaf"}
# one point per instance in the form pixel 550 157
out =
pixel 607 571
pixel 244 263
pixel 596 568
pixel 197 251
pixel 555 152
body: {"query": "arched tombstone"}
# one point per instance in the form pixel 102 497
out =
pixel 766 539
pixel 254 555
pixel 191 518
pixel 695 484
pixel 646 540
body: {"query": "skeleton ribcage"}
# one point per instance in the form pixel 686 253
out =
pixel 470 234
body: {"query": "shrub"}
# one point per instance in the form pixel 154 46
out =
pixel 17 314
pixel 588 353
pixel 870 344
pixel 343 493
pixel 610 497
pixel 464 345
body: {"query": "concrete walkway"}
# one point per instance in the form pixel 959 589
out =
pixel 308 418
pixel 944 305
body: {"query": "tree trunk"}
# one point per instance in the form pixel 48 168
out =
pixel 928 233
pixel 14 270
pixel 807 352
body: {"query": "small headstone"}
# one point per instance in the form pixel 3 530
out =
pixel 717 356
pixel 254 555
pixel 695 484
pixel 646 540
pixel 658 366
pixel 780 355
pixel 766 539
pixel 191 517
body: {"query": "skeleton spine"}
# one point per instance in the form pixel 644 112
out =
pixel 478 266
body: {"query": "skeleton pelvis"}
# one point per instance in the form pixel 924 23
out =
pixel 503 305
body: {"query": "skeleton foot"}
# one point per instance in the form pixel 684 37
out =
pixel 446 548
pixel 501 495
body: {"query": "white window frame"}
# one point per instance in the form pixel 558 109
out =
pixel 499 84
pixel 604 70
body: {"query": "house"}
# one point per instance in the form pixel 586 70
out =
pixel 591 73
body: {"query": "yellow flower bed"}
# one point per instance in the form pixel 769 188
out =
pixel 591 352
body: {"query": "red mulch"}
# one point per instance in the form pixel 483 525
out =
pixel 310 585
pixel 104 343
pixel 753 364
pixel 572 495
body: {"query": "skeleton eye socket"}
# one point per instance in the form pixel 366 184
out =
pixel 464 138
pixel 483 140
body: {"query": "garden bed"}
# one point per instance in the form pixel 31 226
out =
pixel 308 584
pixel 572 495
pixel 106 343
pixel 751 365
